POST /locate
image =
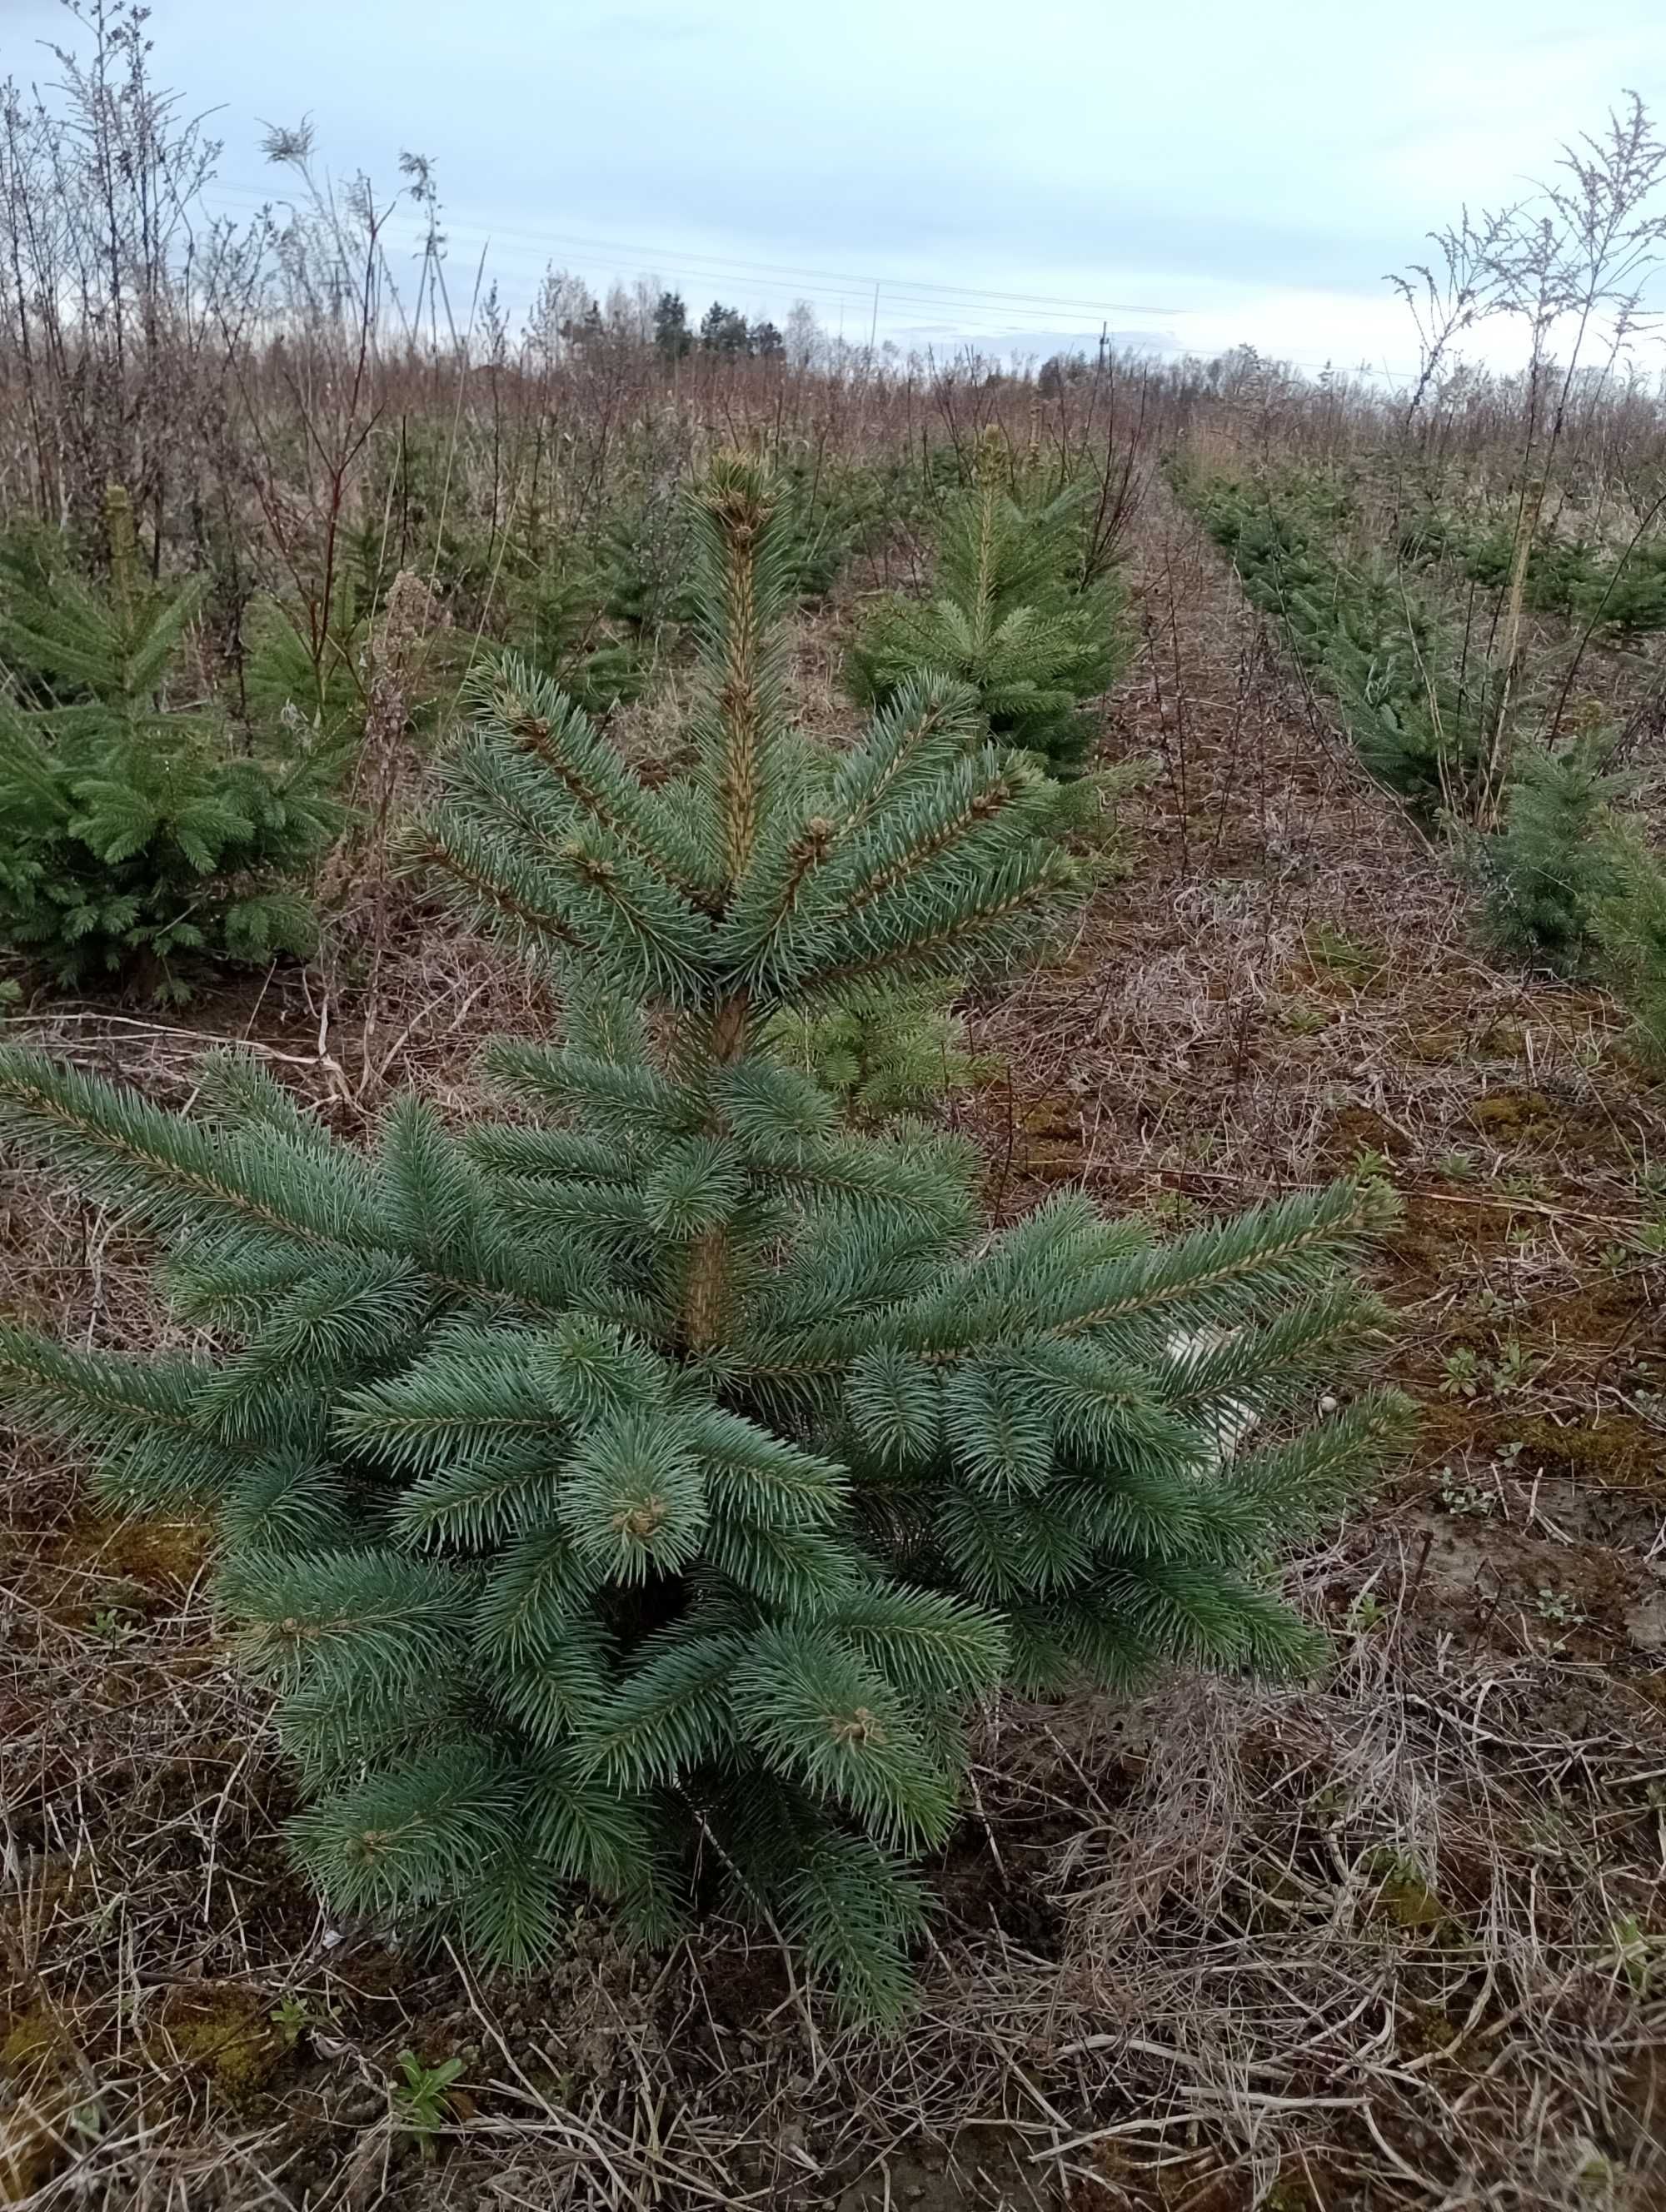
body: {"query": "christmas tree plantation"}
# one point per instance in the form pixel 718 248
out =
pixel 633 1494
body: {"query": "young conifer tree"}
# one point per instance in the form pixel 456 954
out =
pixel 647 1482
pixel 137 834
pixel 1014 615
pixel 1556 867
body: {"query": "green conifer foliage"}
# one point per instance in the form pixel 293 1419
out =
pixel 1620 592
pixel 302 671
pixel 881 1052
pixel 555 620
pixel 1554 868
pixel 1630 926
pixel 1012 615
pixel 644 1485
pixel 1417 699
pixel 136 834
pixel 1626 597
pixel 645 564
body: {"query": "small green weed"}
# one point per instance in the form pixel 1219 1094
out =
pixel 291 2016
pixel 1369 1165
pixel 1469 1500
pixel 1461 1374
pixel 422 2103
pixel 114 1624
pixel 1514 1368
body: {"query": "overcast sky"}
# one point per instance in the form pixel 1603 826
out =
pixel 1205 170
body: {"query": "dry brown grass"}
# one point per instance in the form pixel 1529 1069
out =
pixel 1395 1939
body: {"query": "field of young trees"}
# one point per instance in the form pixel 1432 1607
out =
pixel 834 1229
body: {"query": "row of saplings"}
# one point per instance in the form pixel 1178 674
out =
pixel 1488 750
pixel 159 815
pixel 635 1494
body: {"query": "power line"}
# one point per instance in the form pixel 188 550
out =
pixel 906 289
pixel 599 272
pixel 1026 301
pixel 970 311
pixel 954 321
